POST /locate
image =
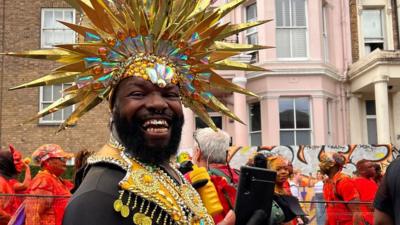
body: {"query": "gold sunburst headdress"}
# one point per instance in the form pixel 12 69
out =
pixel 163 41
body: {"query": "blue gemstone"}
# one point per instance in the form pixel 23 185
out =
pixel 195 37
pixel 184 57
pixel 110 64
pixel 190 88
pixel 106 77
pixel 91 37
pixel 169 74
pixel 174 52
pixel 91 61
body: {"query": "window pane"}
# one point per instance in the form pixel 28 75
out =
pixel 255 117
pixel 372 23
pixel 217 120
pixel 287 137
pixel 47 93
pixel 58 115
pixel 298 13
pixel 255 139
pixel 283 43
pixel 58 37
pixel 47 117
pixel 282 13
pixel 68 16
pixel 302 113
pixel 56 92
pixel 303 137
pixel 299 42
pixel 67 112
pixel 69 37
pixel 58 14
pixel 48 19
pixel 252 39
pixel 47 38
pixel 286 116
pixel 370 107
pixel 371 128
pixel 251 13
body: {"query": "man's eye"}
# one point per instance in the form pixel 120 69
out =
pixel 136 94
pixel 172 95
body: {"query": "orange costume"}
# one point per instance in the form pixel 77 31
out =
pixel 7 204
pixel 43 211
pixel 340 188
pixel 367 189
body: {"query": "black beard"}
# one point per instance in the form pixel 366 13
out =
pixel 132 138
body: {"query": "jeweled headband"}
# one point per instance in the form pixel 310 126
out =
pixel 163 41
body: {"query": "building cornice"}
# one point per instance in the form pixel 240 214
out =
pixel 376 58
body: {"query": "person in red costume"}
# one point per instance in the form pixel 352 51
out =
pixel 20 165
pixel 339 187
pixel 44 211
pixel 366 188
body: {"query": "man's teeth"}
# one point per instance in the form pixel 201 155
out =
pixel 157 130
pixel 159 122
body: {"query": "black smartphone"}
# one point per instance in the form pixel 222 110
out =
pixel 255 191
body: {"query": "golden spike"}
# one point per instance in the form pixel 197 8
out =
pixel 160 18
pixel 88 49
pixel 213 31
pixel 203 25
pixel 237 28
pixel 79 29
pixel 73 67
pixel 226 8
pixel 114 19
pixel 224 46
pixel 216 81
pixel 200 7
pixel 200 111
pixel 90 101
pixel 221 55
pixel 133 10
pixel 218 106
pixel 97 18
pixel 54 54
pixel 232 65
pixel 50 79
pixel 65 101
pixel 74 4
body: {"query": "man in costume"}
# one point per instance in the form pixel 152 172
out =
pixel 147 57
pixel 41 211
pixel 339 187
pixel 366 188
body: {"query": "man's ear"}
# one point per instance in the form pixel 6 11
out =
pixel 196 154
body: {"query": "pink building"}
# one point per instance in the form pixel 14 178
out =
pixel 302 100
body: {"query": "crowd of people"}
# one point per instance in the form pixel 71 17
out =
pixel 338 198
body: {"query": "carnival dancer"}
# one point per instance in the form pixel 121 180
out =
pixel 48 210
pixel 340 188
pixel 147 57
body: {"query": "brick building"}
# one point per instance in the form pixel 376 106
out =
pixel 30 24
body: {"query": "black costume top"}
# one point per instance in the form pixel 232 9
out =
pixel 387 198
pixel 119 190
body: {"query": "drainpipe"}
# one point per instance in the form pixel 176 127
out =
pixel 2 69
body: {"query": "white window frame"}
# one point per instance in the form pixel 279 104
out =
pixel 42 121
pixel 42 28
pixel 252 31
pixel 368 117
pixel 376 40
pixel 254 131
pixel 325 36
pixel 294 111
pixel 306 57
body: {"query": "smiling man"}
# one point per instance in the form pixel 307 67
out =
pixel 147 58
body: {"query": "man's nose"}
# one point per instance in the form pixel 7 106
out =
pixel 156 102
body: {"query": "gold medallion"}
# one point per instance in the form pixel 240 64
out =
pixel 145 181
pixel 118 205
pixel 137 218
pixel 125 211
pixel 146 220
